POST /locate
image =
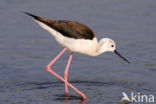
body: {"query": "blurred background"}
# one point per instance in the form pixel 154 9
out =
pixel 25 50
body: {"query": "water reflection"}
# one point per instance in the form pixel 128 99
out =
pixel 67 98
pixel 67 102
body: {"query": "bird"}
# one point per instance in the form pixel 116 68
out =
pixel 75 37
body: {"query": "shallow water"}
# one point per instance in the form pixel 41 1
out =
pixel 25 50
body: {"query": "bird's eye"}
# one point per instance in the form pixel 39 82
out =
pixel 112 45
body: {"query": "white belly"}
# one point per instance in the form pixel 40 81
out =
pixel 79 45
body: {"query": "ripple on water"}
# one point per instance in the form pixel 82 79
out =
pixel 103 92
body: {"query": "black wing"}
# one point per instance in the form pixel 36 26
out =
pixel 67 28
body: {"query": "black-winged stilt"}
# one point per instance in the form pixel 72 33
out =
pixel 75 37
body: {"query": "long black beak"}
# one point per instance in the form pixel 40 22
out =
pixel 117 53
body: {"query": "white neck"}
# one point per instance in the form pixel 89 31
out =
pixel 99 49
pixel 104 45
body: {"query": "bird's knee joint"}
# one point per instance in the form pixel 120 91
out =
pixel 48 68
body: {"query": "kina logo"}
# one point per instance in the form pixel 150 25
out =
pixel 138 98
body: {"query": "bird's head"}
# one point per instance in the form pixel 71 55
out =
pixel 108 45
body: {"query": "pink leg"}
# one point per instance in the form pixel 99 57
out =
pixel 66 73
pixel 55 74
